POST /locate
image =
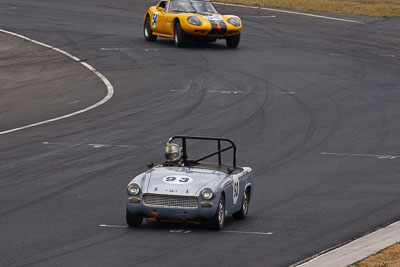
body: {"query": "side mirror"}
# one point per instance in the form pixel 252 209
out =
pixel 150 165
pixel 160 8
pixel 230 170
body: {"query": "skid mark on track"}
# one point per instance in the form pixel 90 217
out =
pixel 201 89
pixel 360 155
pixel 97 145
pixel 291 12
pixel 74 184
pixel 76 246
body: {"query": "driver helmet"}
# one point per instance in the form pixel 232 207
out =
pixel 173 153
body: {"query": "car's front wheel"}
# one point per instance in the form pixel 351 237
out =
pixel 218 221
pixel 233 41
pixel 242 213
pixel 180 36
pixel 147 32
pixel 133 220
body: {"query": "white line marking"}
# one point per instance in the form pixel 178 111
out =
pixel 281 92
pixel 243 232
pixel 110 88
pixel 224 231
pixel 226 4
pixel 176 231
pixel 8 8
pixel 113 226
pixel 310 15
pixel 260 16
pixel 361 155
pixel 226 92
pixel 189 231
pixel 97 145
pixel 291 12
pixel 237 92
pixel 113 49
pixel 180 231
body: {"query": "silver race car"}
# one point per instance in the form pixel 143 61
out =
pixel 191 190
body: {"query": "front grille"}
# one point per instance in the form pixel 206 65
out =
pixel 217 32
pixel 170 201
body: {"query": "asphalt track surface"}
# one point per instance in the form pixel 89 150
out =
pixel 312 104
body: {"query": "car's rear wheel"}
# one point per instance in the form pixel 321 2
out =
pixel 242 213
pixel 147 32
pixel 133 220
pixel 233 41
pixel 218 221
pixel 180 36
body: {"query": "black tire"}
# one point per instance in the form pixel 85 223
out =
pixel 133 220
pixel 218 221
pixel 147 32
pixel 242 213
pixel 233 42
pixel 180 36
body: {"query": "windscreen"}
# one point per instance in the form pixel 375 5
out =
pixel 189 6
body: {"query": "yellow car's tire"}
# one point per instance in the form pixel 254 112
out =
pixel 180 36
pixel 233 41
pixel 147 32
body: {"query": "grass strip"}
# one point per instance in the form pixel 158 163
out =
pixel 388 257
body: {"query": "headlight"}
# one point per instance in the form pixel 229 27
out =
pixel 133 189
pixel 234 21
pixel 207 194
pixel 194 21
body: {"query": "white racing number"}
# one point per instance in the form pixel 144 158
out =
pixel 235 188
pixel 154 19
pixel 177 179
pixel 214 18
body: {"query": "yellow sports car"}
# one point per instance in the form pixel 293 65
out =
pixel 184 20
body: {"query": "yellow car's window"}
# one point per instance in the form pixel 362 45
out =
pixel 190 6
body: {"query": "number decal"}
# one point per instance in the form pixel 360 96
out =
pixel 177 179
pixel 154 20
pixel 213 18
pixel 235 188
pixel 184 180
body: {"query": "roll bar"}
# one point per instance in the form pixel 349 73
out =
pixel 184 138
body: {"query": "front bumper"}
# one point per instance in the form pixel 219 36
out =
pixel 208 31
pixel 205 210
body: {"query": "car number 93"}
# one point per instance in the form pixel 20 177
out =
pixel 177 179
